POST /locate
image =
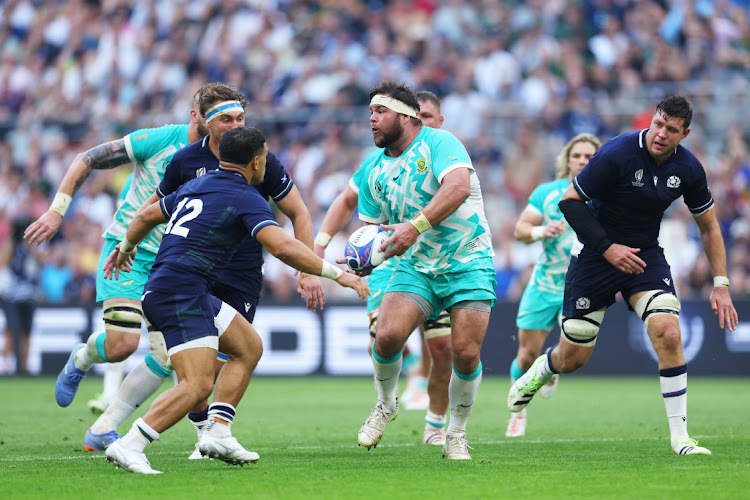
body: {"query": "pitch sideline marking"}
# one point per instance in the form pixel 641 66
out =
pixel 97 455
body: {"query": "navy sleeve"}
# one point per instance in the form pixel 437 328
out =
pixel 697 196
pixel 256 213
pixel 172 178
pixel 277 183
pixel 167 204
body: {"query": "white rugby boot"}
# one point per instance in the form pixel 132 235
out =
pixel 434 435
pixel 227 449
pixel 130 460
pixel 688 446
pixel 525 387
pixel 456 448
pixel 372 430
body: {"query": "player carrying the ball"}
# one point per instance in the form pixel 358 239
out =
pixel 422 183
pixel 436 332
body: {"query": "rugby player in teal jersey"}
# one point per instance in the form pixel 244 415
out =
pixel 436 332
pixel 150 150
pixel 422 186
pixel 541 303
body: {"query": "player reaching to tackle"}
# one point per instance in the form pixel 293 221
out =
pixel 630 182
pixel 209 218
pixel 541 304
pixel 150 150
pixel 238 286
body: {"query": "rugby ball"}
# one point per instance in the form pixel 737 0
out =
pixel 363 248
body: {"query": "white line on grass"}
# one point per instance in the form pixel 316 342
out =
pixel 98 455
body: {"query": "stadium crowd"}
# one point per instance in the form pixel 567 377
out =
pixel 517 80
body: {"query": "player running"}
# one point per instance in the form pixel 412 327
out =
pixel 239 285
pixel 541 303
pixel 422 183
pixel 630 183
pixel 436 332
pixel 150 150
pixel 209 219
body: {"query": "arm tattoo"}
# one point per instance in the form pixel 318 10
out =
pixel 103 157
pixel 106 156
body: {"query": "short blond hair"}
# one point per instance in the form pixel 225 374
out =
pixel 562 169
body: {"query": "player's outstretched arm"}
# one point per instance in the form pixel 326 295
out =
pixel 336 218
pixel 713 244
pixel 104 156
pixel 295 254
pixel 308 286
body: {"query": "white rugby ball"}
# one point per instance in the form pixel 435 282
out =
pixel 363 248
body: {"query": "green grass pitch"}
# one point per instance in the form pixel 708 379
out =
pixel 596 438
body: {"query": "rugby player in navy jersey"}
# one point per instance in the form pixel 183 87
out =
pixel 629 183
pixel 209 219
pixel 239 285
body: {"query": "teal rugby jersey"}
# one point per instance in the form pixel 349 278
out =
pixel 150 149
pixel 396 189
pixel 549 272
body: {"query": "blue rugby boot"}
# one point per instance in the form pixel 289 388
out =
pixel 99 442
pixel 68 380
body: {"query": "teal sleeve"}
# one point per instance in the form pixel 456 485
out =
pixel 368 208
pixel 447 151
pixel 536 199
pixel 147 142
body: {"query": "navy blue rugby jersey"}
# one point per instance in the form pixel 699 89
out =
pixel 629 192
pixel 245 271
pixel 209 218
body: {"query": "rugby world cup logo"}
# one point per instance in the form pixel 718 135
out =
pixel 638 178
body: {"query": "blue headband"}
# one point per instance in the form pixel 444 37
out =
pixel 222 108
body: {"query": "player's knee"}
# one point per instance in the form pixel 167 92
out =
pixel 655 303
pixel 121 346
pixel 582 331
pixel 670 338
pixel 122 322
pixel 199 388
pixel 157 358
pixel 465 354
pixel 440 353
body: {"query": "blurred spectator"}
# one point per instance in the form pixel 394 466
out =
pixel 518 78
pixel 55 274
pixel 19 295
